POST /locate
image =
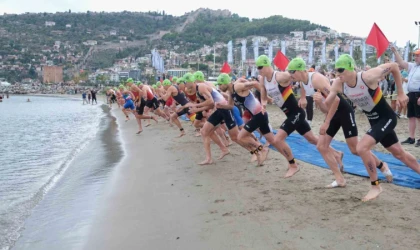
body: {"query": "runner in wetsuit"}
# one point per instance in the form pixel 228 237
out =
pixel 191 95
pixel 212 97
pixel 278 86
pixel 344 118
pixel 363 90
pixel 241 95
pixel 200 107
pixel 172 91
pixel 152 102
pixel 139 103
pixel 220 130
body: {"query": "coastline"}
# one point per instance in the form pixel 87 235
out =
pixel 67 209
pixel 159 198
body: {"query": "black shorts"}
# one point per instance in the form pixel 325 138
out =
pixel 346 120
pixel 184 111
pixel 163 102
pixel 140 107
pixel 222 115
pixel 296 122
pixel 382 130
pixel 199 116
pixel 260 121
pixel 153 104
pixel 413 110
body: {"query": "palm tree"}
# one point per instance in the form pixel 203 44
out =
pixel 410 53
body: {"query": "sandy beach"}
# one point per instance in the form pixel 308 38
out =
pixel 159 198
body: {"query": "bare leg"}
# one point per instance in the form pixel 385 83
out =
pixel 174 119
pixel 279 142
pixel 408 159
pixel 363 149
pixel 206 132
pixel 323 147
pixel 352 144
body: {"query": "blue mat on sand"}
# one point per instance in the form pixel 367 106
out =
pixel 184 118
pixel 304 151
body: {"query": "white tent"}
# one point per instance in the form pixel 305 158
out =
pixel 4 84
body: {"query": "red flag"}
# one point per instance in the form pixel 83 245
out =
pixel 225 68
pixel 378 40
pixel 281 61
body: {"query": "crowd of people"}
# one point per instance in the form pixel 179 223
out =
pixel 232 110
pixel 89 96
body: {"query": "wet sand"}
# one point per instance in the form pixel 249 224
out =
pixel 159 198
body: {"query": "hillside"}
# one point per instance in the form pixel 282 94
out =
pixel 96 39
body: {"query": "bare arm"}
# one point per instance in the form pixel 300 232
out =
pixel 373 76
pixel 263 93
pixel 336 87
pixel 229 105
pixel 403 64
pixel 209 102
pixel 168 93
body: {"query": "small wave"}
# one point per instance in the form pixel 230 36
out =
pixel 14 223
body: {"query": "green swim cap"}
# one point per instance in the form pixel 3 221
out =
pixel 188 77
pixel 121 86
pixel 154 86
pixel 263 60
pixel 297 64
pixel 166 82
pixel 175 79
pixel 223 79
pixel 130 80
pixel 158 84
pixel 345 61
pixel 180 80
pixel 139 83
pixel 199 76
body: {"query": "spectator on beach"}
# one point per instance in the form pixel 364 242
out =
pixel 413 86
pixel 403 111
pixel 93 92
pixel 89 95
pixel 84 97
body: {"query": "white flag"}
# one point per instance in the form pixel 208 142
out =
pixel 153 57
pixel 311 52
pixel 351 49
pixel 323 56
pixel 270 51
pixel 406 51
pixel 243 50
pixel 256 53
pixel 379 60
pixel 336 51
pixel 162 65
pixel 283 47
pixel 230 53
pixel 364 52
pixel 254 71
pixel 393 55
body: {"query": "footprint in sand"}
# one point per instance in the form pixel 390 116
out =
pixel 218 201
pixel 227 214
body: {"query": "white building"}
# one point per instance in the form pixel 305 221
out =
pixel 90 43
pixel 297 34
pixel 68 26
pixel 113 33
pixel 178 72
pixel 114 77
pixel 302 45
pixel 49 23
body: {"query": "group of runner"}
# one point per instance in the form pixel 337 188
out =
pixel 232 108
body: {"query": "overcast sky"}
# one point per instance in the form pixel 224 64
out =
pixel 355 17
